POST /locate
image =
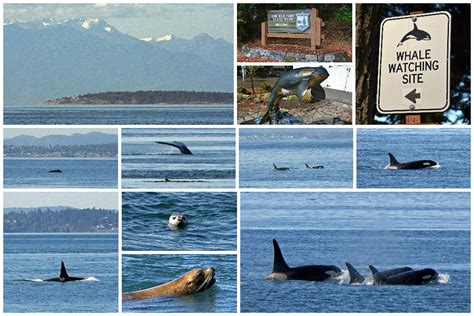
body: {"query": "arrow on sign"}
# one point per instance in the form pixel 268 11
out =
pixel 412 96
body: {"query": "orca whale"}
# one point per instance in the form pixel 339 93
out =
pixel 416 34
pixel 55 171
pixel 357 278
pixel 182 147
pixel 280 168
pixel 418 164
pixel 413 277
pixel 281 271
pixel 63 276
pixel 313 167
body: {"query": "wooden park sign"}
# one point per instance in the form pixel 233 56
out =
pixel 303 24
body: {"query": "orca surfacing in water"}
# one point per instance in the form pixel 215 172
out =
pixel 413 277
pixel 357 278
pixel 63 276
pixel 275 168
pixel 418 164
pixel 281 271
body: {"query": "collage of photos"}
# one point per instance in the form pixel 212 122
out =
pixel 236 157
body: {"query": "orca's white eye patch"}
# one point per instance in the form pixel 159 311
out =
pixel 427 277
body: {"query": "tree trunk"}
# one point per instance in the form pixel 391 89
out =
pixel 368 19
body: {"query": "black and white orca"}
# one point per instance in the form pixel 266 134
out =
pixel 281 270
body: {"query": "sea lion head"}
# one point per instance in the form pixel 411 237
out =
pixel 177 220
pixel 197 280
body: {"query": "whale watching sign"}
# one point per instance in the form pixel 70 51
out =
pixel 414 56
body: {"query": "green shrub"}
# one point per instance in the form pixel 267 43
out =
pixel 344 14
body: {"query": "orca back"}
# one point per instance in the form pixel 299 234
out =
pixel 354 275
pixel 279 264
pixel 393 160
pixel 63 274
pixel 376 274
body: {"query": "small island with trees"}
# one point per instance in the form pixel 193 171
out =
pixel 148 97
pixel 60 220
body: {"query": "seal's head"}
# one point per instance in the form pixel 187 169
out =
pixel 177 220
pixel 197 280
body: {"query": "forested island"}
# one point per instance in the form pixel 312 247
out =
pixel 148 97
pixel 60 151
pixel 67 220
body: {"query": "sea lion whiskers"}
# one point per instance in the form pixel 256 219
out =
pixel 207 281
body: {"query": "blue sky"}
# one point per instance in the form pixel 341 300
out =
pixel 108 200
pixel 139 20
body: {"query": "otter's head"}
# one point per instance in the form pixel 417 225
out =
pixel 197 280
pixel 177 220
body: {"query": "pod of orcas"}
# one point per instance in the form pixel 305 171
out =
pixel 397 276
pixel 418 164
pixel 275 168
pixel 194 281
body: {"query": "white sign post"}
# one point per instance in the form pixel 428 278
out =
pixel 414 57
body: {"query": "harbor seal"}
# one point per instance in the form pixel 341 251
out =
pixel 177 220
pixel 191 282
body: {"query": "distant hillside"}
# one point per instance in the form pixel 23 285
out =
pixel 48 59
pixel 148 97
pixel 93 138
pixel 66 220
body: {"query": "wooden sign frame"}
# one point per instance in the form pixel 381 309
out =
pixel 314 34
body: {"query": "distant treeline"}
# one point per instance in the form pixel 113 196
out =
pixel 148 97
pixel 82 151
pixel 68 220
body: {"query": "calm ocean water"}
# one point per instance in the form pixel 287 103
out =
pixel 293 148
pixel 383 229
pixel 212 221
pixel 146 164
pixel 123 114
pixel 144 271
pixel 450 148
pixel 77 173
pixel 30 257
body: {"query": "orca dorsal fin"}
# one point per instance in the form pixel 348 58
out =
pixel 355 276
pixel 393 160
pixel 279 264
pixel 306 165
pixel 415 28
pixel 274 166
pixel 63 274
pixel 376 274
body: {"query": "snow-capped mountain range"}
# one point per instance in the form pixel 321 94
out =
pixel 52 58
